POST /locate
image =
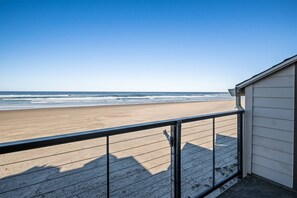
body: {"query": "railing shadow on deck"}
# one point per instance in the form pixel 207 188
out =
pixel 126 173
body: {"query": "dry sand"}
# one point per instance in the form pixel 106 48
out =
pixel 139 162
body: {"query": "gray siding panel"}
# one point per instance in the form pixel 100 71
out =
pixel 288 71
pixel 273 154
pixel 273 164
pixel 273 126
pixel 273 133
pixel 283 146
pixel 274 92
pixel 274 113
pixel 273 123
pixel 279 81
pixel 281 103
pixel 273 175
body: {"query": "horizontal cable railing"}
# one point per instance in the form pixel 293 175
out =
pixel 184 157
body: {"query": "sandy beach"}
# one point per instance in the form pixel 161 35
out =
pixel 27 124
pixel 140 161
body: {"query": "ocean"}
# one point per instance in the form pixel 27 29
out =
pixel 32 100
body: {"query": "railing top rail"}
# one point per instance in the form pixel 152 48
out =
pixel 22 145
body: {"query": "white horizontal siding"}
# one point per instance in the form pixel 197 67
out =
pixel 278 145
pixel 273 175
pixel 274 92
pixel 283 114
pixel 278 81
pixel 276 103
pixel 273 164
pixel 273 133
pixel 273 154
pixel 273 123
pixel 288 71
pixel 273 126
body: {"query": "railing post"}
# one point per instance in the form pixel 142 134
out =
pixel 213 152
pixel 177 159
pixel 107 166
pixel 172 160
pixel 239 144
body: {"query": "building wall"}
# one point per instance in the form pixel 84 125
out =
pixel 270 127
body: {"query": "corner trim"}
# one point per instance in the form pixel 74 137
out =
pixel 295 132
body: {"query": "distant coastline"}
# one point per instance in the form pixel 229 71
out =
pixel 37 100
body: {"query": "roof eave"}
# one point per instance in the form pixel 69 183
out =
pixel 266 73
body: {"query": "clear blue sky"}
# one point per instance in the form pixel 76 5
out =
pixel 141 45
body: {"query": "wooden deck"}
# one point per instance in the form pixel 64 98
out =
pixel 256 187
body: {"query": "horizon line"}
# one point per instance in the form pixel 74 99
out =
pixel 125 91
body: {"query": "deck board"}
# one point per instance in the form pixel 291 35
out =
pixel 256 187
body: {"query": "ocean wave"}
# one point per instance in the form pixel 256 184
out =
pixel 95 98
pixel 60 98
pixel 31 96
pixel 31 100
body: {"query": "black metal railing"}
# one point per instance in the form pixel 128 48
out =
pixel 197 155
